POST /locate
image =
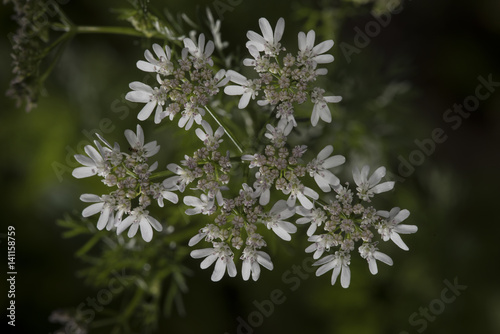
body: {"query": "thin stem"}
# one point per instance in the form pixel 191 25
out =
pixel 226 129
pixel 164 173
pixel 108 30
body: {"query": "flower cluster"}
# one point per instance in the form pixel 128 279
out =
pixel 130 174
pixel 185 86
pixel 344 224
pixel 284 81
pixel 237 194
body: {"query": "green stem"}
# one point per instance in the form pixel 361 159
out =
pixel 164 173
pixel 108 30
pixel 226 129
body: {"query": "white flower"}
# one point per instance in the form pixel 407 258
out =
pixel 391 227
pixel 136 141
pixel 224 256
pixel 94 163
pixel 191 114
pixel 200 51
pixel 318 168
pixel 139 218
pixel 183 178
pixel 168 195
pixel 255 54
pixel 279 133
pixel 202 205
pixel 251 260
pixel 322 243
pixel 208 137
pixel 275 220
pixel 247 88
pixel 210 232
pixel 103 205
pixel 298 191
pixel 163 65
pixel 368 187
pixel 315 216
pixel 308 51
pixel 371 254
pixel 153 97
pixel 340 265
pixel 262 190
pixel 268 41
pixel 320 109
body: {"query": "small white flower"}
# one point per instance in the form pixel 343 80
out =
pixel 190 115
pixel 318 168
pixel 209 232
pixel 279 133
pixel 371 254
pixel 255 54
pixel 200 51
pixel 251 260
pixel 136 141
pixel 183 178
pixel 308 51
pixel 262 190
pixel 168 195
pixel 208 137
pixel 247 88
pixel 275 220
pixel 320 109
pixel 340 265
pixel 224 256
pixel 315 216
pixel 322 243
pixel 103 205
pixel 153 97
pixel 298 191
pixel 162 66
pixel 203 205
pixel 94 163
pixel 368 187
pixel 391 227
pixel 268 41
pixel 139 218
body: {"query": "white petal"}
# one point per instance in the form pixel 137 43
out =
pixel 146 111
pixel 345 277
pixel 396 238
pixel 280 232
pixel 334 161
pixel 266 29
pixel 406 229
pixel 220 268
pixel 234 90
pixel 245 98
pixel 322 47
pixel 372 265
pixel 81 172
pixel 89 198
pixel 133 230
pixel 92 209
pixel 377 175
pixel 383 258
pixel 103 219
pixel 199 253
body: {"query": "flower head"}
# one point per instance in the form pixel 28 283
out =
pixel 268 41
pixel 200 51
pixel 136 141
pixel 318 168
pixel 390 227
pixel 246 88
pixel 368 187
pixel 371 254
pixel 153 97
pixel 103 205
pixel 162 65
pixel 251 260
pixel 275 220
pixel 310 53
pixel 320 109
pixel 340 265
pixel 139 218
pixel 220 253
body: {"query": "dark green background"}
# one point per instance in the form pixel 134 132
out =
pixel 439 48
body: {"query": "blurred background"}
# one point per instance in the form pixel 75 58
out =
pixel 398 83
